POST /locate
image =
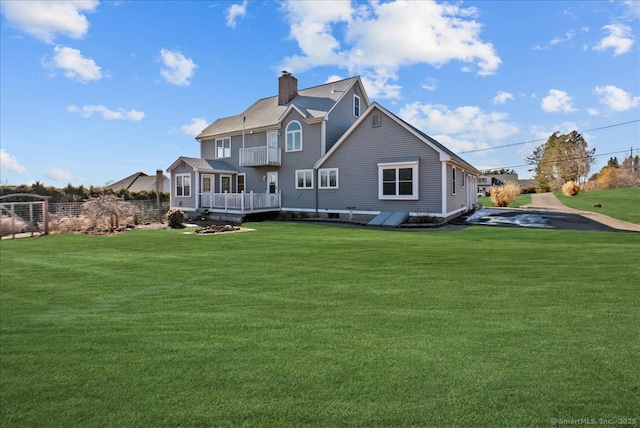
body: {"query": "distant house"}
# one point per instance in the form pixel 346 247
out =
pixel 141 182
pixel 487 180
pixel 326 151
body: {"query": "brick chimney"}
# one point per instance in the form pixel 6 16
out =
pixel 287 88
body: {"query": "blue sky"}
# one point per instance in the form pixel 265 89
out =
pixel 91 92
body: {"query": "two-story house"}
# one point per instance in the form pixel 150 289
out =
pixel 326 151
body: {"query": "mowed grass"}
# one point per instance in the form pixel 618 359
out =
pixel 306 325
pixel 623 203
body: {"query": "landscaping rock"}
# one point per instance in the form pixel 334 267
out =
pixel 218 229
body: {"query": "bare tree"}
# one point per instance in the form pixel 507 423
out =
pixel 110 208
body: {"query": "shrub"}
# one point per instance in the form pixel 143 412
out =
pixel 610 178
pixel 174 218
pixel 505 194
pixel 570 188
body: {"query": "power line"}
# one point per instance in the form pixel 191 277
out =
pixel 567 160
pixel 544 139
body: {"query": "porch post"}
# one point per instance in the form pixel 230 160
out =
pixel 196 186
pixel 241 201
pixel 251 200
pixel 226 203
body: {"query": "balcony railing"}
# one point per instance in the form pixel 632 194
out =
pixel 240 202
pixel 261 156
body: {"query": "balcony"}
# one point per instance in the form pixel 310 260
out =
pixel 261 156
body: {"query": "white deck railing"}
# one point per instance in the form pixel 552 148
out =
pixel 240 202
pixel 261 156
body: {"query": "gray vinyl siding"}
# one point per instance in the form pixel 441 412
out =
pixel 292 161
pixel 357 159
pixel 181 201
pixel 459 200
pixel 341 117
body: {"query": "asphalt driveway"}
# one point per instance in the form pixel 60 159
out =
pixel 546 211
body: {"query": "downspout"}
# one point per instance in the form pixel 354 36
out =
pixel 315 173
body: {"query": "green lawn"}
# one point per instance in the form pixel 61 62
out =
pixel 623 204
pixel 521 200
pixel 306 325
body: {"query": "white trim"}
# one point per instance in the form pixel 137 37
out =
pixel 223 146
pixel 244 175
pixel 269 133
pixel 186 209
pixel 211 183
pixel 286 137
pixel 353 109
pixel 415 188
pixel 328 171
pixel 323 137
pixel 221 190
pixel 175 188
pixel 304 178
pixel 443 190
pixel 454 180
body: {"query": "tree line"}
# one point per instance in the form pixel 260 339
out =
pixel 80 193
pixel 567 158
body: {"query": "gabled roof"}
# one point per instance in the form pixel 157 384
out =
pixel 312 103
pixel 138 182
pixel 125 183
pixel 445 153
pixel 204 165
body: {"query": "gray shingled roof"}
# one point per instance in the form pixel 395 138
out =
pixel 314 102
pixel 204 165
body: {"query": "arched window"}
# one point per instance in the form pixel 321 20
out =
pixel 294 137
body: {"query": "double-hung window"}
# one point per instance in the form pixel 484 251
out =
pixel 304 179
pixel 294 137
pixel 223 148
pixel 183 185
pixel 398 180
pixel 356 106
pixel 328 178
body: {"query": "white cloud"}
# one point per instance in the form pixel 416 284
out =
pixel 502 97
pixel 75 66
pixel 59 174
pixel 593 111
pixel 107 114
pixel 567 36
pixel 615 98
pixel 557 101
pixel 619 39
pixel 236 11
pixel 178 69
pixel 632 9
pixel 429 84
pixel 10 163
pixel 379 38
pixel 45 20
pixel 195 127
pixel 466 127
